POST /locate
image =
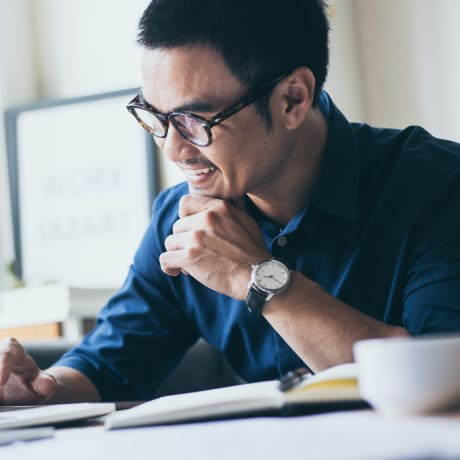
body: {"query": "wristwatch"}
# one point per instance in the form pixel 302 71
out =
pixel 268 278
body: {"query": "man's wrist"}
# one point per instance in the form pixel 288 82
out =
pixel 302 291
pixel 269 278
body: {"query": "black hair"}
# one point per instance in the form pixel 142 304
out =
pixel 258 39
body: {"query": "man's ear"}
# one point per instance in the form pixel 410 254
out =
pixel 298 92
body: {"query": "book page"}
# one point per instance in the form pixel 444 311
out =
pixel 232 400
pixel 338 383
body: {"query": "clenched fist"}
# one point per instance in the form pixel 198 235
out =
pixel 216 243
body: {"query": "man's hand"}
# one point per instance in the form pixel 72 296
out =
pixel 21 381
pixel 216 243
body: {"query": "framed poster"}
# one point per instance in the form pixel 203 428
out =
pixel 83 177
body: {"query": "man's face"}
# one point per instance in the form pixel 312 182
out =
pixel 244 156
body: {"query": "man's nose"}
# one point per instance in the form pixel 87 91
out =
pixel 175 147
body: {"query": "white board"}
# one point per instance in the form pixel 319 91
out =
pixel 83 190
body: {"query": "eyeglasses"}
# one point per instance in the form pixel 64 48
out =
pixel 190 126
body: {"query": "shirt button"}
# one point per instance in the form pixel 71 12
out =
pixel 282 241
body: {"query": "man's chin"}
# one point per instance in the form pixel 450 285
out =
pixel 204 192
pixel 201 191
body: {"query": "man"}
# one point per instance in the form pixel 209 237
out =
pixel 296 234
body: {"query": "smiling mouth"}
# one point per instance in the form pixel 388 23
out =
pixel 199 177
pixel 195 173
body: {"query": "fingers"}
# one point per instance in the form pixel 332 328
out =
pixel 211 216
pixel 11 356
pixel 211 241
pixel 176 241
pixel 189 204
pixel 212 210
pixel 21 381
pixel 171 262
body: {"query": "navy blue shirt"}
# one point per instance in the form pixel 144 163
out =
pixel 381 232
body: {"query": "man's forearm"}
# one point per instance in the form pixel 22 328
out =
pixel 320 328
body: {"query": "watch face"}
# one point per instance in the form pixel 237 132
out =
pixel 272 276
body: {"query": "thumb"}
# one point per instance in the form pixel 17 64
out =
pixel 44 385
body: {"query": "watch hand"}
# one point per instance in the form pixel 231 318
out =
pixel 273 278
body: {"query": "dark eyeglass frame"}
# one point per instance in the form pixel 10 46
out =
pixel 138 102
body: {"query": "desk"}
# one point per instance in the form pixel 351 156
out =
pixel 357 435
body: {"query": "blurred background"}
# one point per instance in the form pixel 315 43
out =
pixel 393 63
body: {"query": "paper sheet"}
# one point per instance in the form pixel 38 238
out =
pixel 360 435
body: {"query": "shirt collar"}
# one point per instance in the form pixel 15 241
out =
pixel 336 187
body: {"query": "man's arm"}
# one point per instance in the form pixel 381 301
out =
pixel 23 383
pixel 319 327
pixel 217 243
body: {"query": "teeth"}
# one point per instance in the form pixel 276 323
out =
pixel 198 172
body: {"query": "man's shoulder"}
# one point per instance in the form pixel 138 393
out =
pixel 408 169
pixel 411 147
pixel 414 139
pixel 419 140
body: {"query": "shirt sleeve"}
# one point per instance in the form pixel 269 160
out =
pixel 142 332
pixel 432 293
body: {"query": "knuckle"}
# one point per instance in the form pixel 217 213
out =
pixel 8 341
pixel 199 237
pixel 175 227
pixel 168 243
pixel 223 206
pixel 6 355
pixel 163 262
pixel 192 252
pixel 185 200
pixel 212 218
pixel 184 203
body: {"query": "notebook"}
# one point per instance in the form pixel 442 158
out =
pixel 334 388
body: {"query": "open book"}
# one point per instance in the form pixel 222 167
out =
pixel 334 388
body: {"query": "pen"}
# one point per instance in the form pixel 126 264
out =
pixel 293 378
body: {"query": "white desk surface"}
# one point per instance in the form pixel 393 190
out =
pixel 357 435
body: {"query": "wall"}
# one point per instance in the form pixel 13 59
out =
pixel 410 63
pixel 86 46
pixel 17 85
pixel 344 81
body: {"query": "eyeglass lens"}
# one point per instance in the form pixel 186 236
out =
pixel 150 122
pixel 189 128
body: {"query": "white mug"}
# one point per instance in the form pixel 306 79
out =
pixel 409 375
